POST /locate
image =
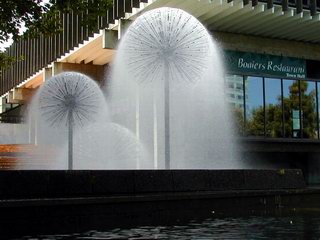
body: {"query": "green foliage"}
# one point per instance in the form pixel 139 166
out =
pixel 255 125
pixel 6 61
pixel 50 23
pixel 308 103
pixel 39 17
pixel 15 13
pixel 273 120
pixel 239 120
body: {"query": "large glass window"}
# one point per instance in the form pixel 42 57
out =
pixel 254 106
pixel 236 100
pixel 308 109
pixel 291 108
pixel 273 107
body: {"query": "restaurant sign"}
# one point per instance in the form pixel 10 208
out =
pixel 264 64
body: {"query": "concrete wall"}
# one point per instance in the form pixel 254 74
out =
pixel 96 72
pixel 283 153
pixel 46 184
pixel 248 43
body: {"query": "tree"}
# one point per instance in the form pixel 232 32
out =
pixel 273 112
pixel 309 113
pixel 291 103
pixel 274 119
pixel 41 17
pixel 237 113
pixel 6 60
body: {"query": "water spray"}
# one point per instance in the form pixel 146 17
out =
pixel 167 45
pixel 69 100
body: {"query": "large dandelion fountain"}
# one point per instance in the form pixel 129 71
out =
pixel 167 86
pixel 167 44
pixel 70 100
pixel 170 46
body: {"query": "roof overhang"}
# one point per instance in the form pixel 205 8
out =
pixel 259 20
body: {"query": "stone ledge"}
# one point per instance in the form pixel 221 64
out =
pixel 155 197
pixel 68 184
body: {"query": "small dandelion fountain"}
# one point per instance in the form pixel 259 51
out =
pixel 69 100
pixel 167 45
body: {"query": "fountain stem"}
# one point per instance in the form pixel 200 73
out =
pixel 167 115
pixel 70 141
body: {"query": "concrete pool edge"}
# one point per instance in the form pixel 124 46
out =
pixel 81 183
pixel 178 196
pixel 89 206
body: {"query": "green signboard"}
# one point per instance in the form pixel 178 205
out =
pixel 264 64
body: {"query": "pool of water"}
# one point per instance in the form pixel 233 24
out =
pixel 297 225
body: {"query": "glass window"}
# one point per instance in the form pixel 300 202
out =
pixel 273 106
pixel 308 109
pixel 284 108
pixel 254 106
pixel 236 103
pixel 291 109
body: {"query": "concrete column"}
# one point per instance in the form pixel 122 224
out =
pixel 2 104
pixel 12 100
pixel 110 39
pixel 47 73
pixel 23 95
pixel 123 26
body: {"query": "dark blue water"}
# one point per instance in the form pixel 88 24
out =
pixel 296 226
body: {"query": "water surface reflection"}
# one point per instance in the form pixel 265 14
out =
pixel 253 227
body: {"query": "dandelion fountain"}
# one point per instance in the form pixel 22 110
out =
pixel 71 104
pixel 166 87
pixel 167 80
pixel 70 100
pixel 173 46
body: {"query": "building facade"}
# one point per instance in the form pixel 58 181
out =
pixel 272 58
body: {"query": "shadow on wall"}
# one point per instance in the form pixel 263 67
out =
pixel 308 162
